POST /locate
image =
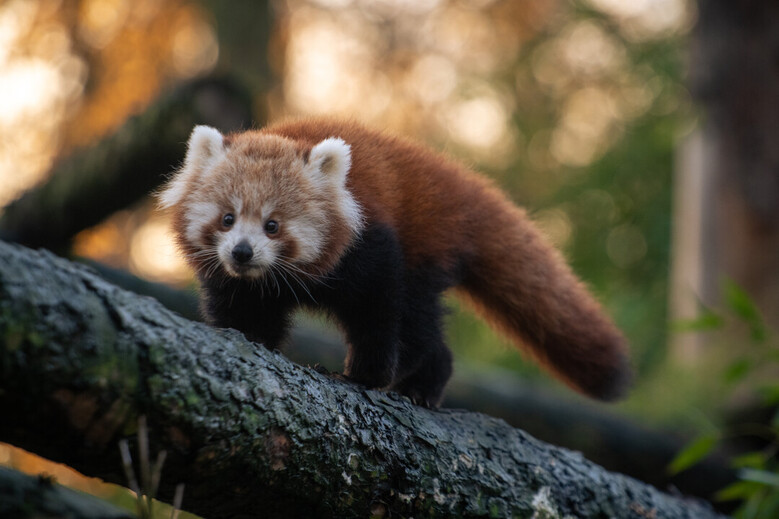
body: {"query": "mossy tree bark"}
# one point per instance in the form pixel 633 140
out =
pixel 567 420
pixel 251 433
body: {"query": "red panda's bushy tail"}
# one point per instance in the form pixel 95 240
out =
pixel 522 286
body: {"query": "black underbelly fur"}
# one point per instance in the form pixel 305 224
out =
pixel 391 315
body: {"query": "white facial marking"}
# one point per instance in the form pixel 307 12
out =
pixel 204 150
pixel 309 238
pixel 237 202
pixel 352 211
pixel 264 250
pixel 199 214
pixel 266 210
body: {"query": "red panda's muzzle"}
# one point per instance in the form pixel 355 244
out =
pixel 242 253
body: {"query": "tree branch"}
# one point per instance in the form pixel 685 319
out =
pixel 23 496
pixel 566 420
pixel 251 433
pixel 91 184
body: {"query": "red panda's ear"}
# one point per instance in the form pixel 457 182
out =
pixel 331 160
pixel 205 146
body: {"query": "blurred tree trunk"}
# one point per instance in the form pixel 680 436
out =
pixel 727 212
pixel 244 29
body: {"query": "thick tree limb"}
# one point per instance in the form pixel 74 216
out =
pixel 124 167
pixel 23 496
pixel 604 437
pixel 252 433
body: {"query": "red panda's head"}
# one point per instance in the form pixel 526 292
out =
pixel 249 204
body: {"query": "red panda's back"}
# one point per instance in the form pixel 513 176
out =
pixel 446 214
pixel 434 205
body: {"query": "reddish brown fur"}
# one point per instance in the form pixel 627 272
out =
pixel 446 217
pixel 278 154
pixel 443 212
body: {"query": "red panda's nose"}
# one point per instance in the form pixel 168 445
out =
pixel 242 252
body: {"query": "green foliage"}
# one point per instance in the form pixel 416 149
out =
pixel 758 471
pixel 694 452
pixel 707 321
pixel 743 306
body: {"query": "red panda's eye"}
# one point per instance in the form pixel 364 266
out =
pixel 228 220
pixel 271 226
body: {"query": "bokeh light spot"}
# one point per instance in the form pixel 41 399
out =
pixel 479 122
pixel 153 254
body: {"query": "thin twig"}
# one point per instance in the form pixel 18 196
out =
pixel 143 455
pixel 156 474
pixel 129 473
pixel 178 498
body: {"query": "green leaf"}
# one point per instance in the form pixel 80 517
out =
pixel 763 477
pixel 769 508
pixel 755 460
pixel 738 490
pixel 751 508
pixel 770 394
pixel 739 301
pixel 738 370
pixel 743 306
pixel 694 452
pixel 708 320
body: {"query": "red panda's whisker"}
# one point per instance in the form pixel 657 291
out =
pixel 294 294
pixel 302 285
pixel 204 252
pixel 212 266
pixel 289 267
pixel 276 282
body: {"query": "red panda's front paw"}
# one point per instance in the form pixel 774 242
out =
pixel 372 380
pixel 371 371
pixel 421 397
pixel 423 401
pixel 324 371
pixel 422 391
pixel 425 392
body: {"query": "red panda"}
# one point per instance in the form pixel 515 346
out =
pixel 373 229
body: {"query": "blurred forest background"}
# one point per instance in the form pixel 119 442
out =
pixel 602 117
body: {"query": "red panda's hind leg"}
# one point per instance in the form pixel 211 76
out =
pixel 425 361
pixel 425 386
pixel 392 317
